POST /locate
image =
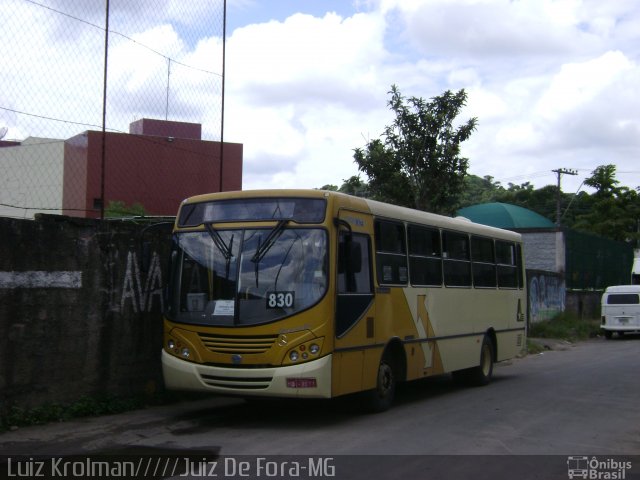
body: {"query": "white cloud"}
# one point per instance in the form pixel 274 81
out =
pixel 527 67
pixel 323 77
pixel 553 83
pixel 577 84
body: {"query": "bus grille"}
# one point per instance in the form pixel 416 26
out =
pixel 236 383
pixel 237 345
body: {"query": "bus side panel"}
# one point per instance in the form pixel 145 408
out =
pixel 459 318
pixel 394 318
pixel 372 358
pixel 460 353
pixel 446 316
pixel 346 372
pixel 500 310
pixel 510 344
pixel 349 356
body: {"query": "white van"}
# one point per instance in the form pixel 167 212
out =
pixel 620 310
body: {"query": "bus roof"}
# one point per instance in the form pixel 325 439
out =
pixel 458 223
pixel 374 207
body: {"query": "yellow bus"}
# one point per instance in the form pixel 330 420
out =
pixel 318 294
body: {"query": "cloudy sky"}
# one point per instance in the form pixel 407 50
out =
pixel 553 83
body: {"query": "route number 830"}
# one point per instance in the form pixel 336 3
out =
pixel 280 299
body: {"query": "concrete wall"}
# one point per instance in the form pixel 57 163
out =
pixel 544 250
pixel 78 315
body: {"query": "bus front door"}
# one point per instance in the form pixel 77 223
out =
pixel 355 311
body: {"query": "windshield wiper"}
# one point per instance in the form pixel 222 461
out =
pixel 220 243
pixel 263 248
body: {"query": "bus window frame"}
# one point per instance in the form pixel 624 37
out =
pixel 511 267
pixel 448 260
pixel 484 263
pixel 351 305
pixel 380 254
pixel 435 257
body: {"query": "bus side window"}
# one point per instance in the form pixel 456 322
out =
pixel 483 262
pixel 457 264
pixel 355 286
pixel 391 256
pixel 354 274
pixel 425 256
pixel 507 264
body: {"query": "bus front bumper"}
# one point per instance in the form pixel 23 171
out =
pixel 306 380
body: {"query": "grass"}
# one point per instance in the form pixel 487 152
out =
pixel 87 406
pixel 566 327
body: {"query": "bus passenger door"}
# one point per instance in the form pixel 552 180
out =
pixel 355 311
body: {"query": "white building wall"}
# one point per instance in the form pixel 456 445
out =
pixel 31 178
pixel 544 251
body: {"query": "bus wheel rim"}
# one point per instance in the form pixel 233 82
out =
pixel 385 380
pixel 486 359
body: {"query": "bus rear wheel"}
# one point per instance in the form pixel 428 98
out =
pixel 381 398
pixel 481 374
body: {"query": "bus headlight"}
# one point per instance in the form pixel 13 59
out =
pixel 305 351
pixel 181 347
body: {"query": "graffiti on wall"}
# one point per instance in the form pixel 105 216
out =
pixel 142 293
pixel 547 296
pixel 41 279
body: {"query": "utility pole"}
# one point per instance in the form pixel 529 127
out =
pixel 560 172
pixel 224 54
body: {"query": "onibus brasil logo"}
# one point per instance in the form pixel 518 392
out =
pixel 597 469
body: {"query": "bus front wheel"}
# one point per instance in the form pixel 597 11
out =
pixel 380 398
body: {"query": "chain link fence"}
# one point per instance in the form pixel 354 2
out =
pixel 68 67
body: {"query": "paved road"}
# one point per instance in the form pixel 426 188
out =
pixel 581 400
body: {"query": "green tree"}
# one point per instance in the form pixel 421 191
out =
pixel 479 190
pixel 418 163
pixel 603 179
pixel 613 211
pixel 353 186
pixel 118 208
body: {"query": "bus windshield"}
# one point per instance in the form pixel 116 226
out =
pixel 246 277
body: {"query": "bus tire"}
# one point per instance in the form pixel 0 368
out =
pixel 381 398
pixel 608 334
pixel 481 374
